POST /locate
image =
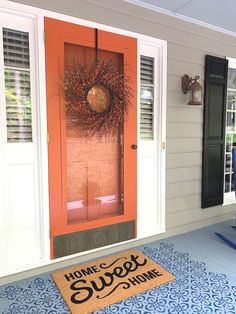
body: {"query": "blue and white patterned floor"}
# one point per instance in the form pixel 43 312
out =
pixel 205 270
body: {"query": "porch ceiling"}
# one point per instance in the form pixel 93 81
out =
pixel 218 13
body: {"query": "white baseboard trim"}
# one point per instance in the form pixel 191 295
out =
pixel 107 251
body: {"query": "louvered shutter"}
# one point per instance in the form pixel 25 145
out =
pixel 146 97
pixel 216 70
pixel 17 85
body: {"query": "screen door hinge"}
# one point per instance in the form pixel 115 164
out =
pixel 50 233
pixel 48 138
pixel 44 36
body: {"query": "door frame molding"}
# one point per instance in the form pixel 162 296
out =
pixel 29 11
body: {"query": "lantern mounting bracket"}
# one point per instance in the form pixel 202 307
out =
pixel 187 82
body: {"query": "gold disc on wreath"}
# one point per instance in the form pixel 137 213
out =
pixel 99 98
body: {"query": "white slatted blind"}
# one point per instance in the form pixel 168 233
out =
pixel 16 48
pixel 146 97
pixel 17 85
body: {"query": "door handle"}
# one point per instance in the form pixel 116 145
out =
pixel 134 146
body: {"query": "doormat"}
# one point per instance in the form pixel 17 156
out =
pixel 92 286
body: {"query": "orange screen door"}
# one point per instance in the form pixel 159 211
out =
pixel 92 179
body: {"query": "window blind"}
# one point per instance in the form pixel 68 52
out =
pixel 146 97
pixel 17 85
pixel 16 48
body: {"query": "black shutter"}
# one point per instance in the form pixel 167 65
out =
pixel 216 70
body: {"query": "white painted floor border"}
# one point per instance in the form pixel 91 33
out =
pixel 57 264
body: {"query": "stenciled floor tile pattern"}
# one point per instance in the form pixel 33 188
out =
pixel 196 290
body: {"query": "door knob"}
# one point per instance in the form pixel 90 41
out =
pixel 134 146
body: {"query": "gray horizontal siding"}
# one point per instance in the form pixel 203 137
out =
pixel 181 130
pixel 177 175
pixel 182 160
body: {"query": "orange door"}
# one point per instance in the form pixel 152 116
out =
pixel 92 181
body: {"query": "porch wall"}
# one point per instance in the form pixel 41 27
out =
pixel 187 46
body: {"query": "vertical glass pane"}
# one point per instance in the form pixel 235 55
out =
pixel 94 181
pixel 231 121
pixel 228 163
pixel 232 78
pixel 18 106
pixel 228 143
pixel 231 101
pixel 232 182
pixel 94 165
pixel 17 86
pixel 227 183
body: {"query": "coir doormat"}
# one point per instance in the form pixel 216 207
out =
pixel 89 287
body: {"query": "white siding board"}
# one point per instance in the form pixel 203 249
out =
pixel 187 54
pixel 183 203
pixel 182 160
pixel 183 174
pixel 174 83
pixel 178 130
pixel 197 214
pixel 176 99
pixel 175 67
pixel 175 190
pixel 181 145
pixel 186 114
pixel 179 51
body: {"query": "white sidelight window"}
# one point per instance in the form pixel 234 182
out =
pixel 20 218
pixel 151 145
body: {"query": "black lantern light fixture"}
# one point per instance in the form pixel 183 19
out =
pixel 193 86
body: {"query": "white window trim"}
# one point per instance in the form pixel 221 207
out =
pixel 29 11
pixel 229 197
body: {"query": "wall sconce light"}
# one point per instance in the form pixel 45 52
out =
pixel 191 84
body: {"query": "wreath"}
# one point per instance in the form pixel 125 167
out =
pixel 96 100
